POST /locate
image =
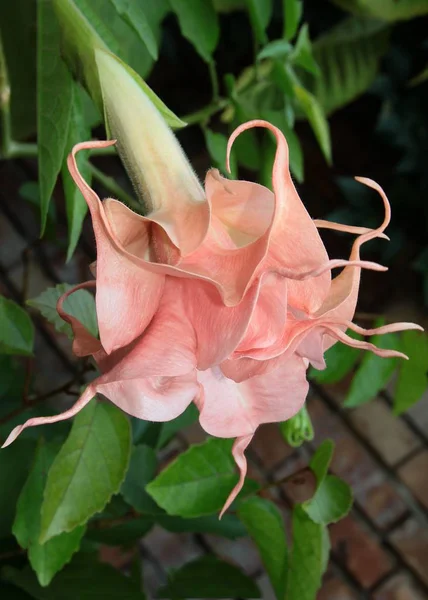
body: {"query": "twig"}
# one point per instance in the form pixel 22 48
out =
pixel 202 116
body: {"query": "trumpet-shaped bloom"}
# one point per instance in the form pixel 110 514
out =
pixel 221 298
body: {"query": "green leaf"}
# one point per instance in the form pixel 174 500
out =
pixel 142 469
pixel 134 14
pixel 121 533
pixel 229 526
pixel 316 117
pixel 348 56
pixel 16 329
pixel 333 497
pixel 388 10
pixel 80 304
pixel 75 202
pixel 374 372
pixel 217 148
pixel 88 470
pixel 340 359
pixel 265 525
pixel 275 49
pixel 170 428
pixel 18 37
pixel 420 77
pixel 30 192
pixel 413 373
pixel 298 429
pixel 15 462
pixel 46 559
pixel 198 481
pixel 54 94
pixel 302 55
pixel 83 578
pixel 292 14
pixel 209 577
pixel 308 557
pixel 199 24
pixel 260 15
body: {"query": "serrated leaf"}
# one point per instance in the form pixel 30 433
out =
pixel 413 373
pixel 260 15
pixel 316 117
pixel 373 373
pixel 265 525
pixel 142 469
pixel 16 329
pixel 292 14
pixel 388 10
pixel 134 14
pixel 348 56
pixel 46 559
pixel 15 462
pixel 332 499
pixel 209 577
pixel 198 481
pixel 80 304
pixel 81 579
pixel 75 203
pixel 340 359
pixel 88 470
pixel 199 24
pixel 302 55
pixel 308 557
pixel 217 148
pixel 54 93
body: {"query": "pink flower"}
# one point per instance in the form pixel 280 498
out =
pixel 220 297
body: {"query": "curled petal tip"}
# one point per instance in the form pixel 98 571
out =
pixel 12 436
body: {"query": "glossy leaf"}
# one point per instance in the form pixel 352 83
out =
pixel 75 202
pixel 260 15
pixel 141 471
pixel 316 117
pixel 332 499
pixel 16 329
pixel 81 304
pixel 46 559
pixel 265 525
pixel 134 14
pixel 81 579
pixel 199 24
pixel 292 14
pixel 88 470
pixel 209 577
pixel 198 481
pixel 54 94
pixel 308 557
pixel 15 462
pixel 348 56
pixel 374 372
pixel 413 373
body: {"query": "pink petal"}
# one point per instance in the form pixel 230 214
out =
pixel 127 295
pixel 229 409
pixel 238 453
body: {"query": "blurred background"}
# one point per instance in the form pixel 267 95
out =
pixel 347 82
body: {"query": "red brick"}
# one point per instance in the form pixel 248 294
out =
pixel 270 446
pixel 301 487
pixel 399 587
pixel 414 473
pixel 354 464
pixel 411 541
pixel 171 549
pixel 242 552
pixel 360 551
pixel 335 589
pixel 389 435
pixel 419 414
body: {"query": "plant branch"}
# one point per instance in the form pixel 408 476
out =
pixel 202 116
